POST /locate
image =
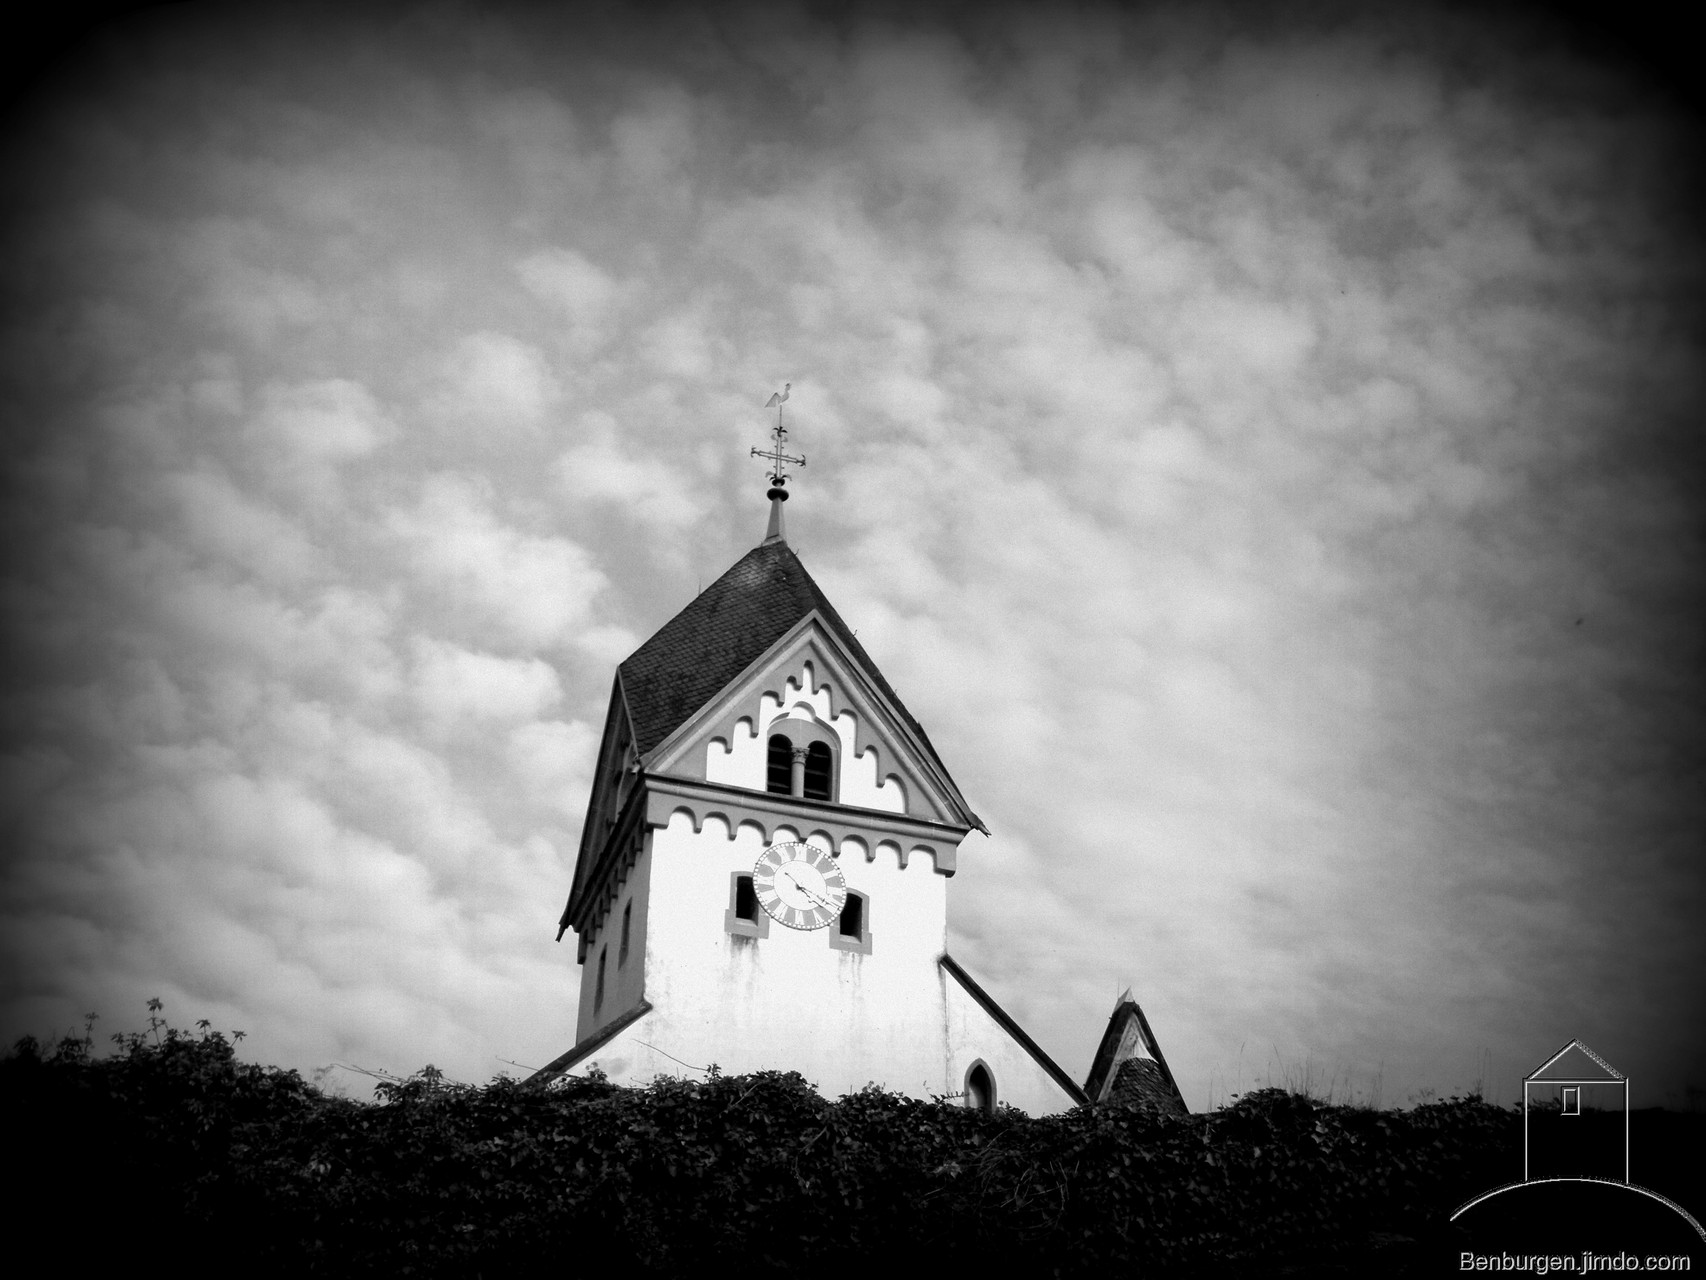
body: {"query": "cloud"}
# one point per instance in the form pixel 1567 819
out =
pixel 565 279
pixel 554 761
pixel 453 687
pixel 497 383
pixel 228 526
pixel 528 589
pixel 1261 452
pixel 607 470
pixel 331 420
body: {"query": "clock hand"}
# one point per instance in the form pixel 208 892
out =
pixel 822 902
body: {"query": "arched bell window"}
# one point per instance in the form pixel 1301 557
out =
pixel 820 772
pixel 800 761
pixel 779 765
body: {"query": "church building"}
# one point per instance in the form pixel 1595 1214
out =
pixel 763 874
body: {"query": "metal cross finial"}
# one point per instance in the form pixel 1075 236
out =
pixel 779 440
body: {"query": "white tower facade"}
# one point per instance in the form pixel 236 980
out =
pixel 754 719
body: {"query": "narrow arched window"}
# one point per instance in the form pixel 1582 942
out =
pixel 779 765
pixel 627 926
pixel 598 991
pixel 980 1089
pixel 820 767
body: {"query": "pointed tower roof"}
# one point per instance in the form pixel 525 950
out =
pixel 1129 1069
pixel 728 626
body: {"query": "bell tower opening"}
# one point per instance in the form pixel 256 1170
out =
pixel 820 772
pixel 779 765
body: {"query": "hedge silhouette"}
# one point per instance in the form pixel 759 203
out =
pixel 173 1140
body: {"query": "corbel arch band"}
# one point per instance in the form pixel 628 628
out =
pixel 837 835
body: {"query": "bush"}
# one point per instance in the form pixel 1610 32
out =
pixel 173 1138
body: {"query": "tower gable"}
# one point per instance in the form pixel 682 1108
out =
pixel 728 627
pixel 709 668
pixel 808 686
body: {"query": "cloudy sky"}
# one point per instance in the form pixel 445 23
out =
pixel 1265 455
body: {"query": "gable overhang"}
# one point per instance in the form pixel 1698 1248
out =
pixel 591 896
pixel 1005 1021
pixel 562 1065
pixel 881 723
pixel 618 725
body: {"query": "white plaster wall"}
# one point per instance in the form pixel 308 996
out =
pixel 788 1001
pixel 1020 1080
pixel 737 763
pixel 741 761
pixel 859 782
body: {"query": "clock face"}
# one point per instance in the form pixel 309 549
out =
pixel 799 885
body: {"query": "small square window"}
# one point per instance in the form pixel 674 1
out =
pixel 852 932
pixel 1572 1100
pixel 745 918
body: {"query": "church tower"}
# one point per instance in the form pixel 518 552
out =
pixel 763 873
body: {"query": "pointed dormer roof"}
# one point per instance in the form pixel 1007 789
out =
pixel 727 627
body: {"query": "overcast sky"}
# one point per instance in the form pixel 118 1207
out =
pixel 1265 455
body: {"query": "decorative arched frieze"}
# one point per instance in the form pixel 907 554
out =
pixel 802 676
pixel 722 746
pixel 701 803
pixel 628 853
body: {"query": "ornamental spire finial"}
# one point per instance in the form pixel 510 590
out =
pixel 778 459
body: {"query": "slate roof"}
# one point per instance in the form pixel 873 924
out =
pixel 697 653
pixel 1118 1080
pixel 1140 1083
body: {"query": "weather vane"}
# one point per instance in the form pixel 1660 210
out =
pixel 779 440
